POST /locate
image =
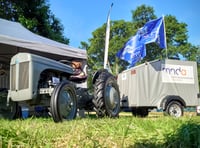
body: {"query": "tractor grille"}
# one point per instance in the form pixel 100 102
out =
pixel 13 77
pixel 23 75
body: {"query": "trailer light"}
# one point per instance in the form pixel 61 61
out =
pixel 198 110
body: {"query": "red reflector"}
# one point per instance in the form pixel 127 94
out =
pixel 133 71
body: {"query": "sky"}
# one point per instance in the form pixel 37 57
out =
pixel 81 17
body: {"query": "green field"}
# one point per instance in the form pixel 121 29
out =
pixel 125 131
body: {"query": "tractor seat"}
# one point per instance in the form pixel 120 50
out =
pixel 78 78
pixel 79 75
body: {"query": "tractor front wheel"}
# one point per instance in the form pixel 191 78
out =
pixel 63 102
pixel 8 111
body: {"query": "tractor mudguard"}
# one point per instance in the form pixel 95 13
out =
pixel 96 75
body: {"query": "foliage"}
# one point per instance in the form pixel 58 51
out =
pixel 187 135
pixel 142 14
pixel 198 62
pixel 35 16
pixel 126 131
pixel 119 34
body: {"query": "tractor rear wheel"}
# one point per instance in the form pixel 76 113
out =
pixel 63 102
pixel 106 95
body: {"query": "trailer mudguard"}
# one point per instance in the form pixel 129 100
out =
pixel 166 100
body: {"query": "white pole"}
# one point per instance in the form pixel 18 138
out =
pixel 107 40
pixel 165 37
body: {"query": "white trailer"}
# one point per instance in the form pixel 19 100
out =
pixel 169 85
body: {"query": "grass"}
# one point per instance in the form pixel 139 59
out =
pixel 125 131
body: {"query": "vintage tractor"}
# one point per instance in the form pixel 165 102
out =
pixel 58 88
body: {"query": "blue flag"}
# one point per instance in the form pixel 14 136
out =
pixel 134 50
pixel 153 31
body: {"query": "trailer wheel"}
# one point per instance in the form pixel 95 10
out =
pixel 106 96
pixel 63 102
pixel 174 109
pixel 7 112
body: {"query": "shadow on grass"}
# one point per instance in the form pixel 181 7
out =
pixel 187 136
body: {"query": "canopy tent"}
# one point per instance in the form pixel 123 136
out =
pixel 15 38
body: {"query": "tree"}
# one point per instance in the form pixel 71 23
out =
pixel 119 34
pixel 35 16
pixel 198 61
pixel 176 37
pixel 142 15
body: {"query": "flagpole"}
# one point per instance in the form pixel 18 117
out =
pixel 107 39
pixel 166 54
